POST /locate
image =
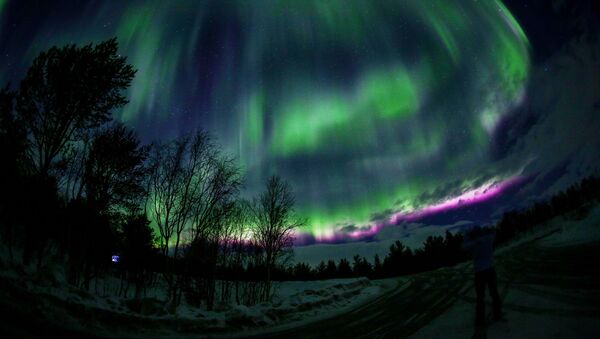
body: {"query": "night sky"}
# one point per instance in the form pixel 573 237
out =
pixel 381 114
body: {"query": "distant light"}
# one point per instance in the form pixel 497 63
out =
pixel 115 258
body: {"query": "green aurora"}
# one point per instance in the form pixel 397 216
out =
pixel 369 108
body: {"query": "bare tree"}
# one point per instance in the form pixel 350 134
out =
pixel 191 187
pixel 218 185
pixel 275 225
pixel 169 202
pixel 219 182
pixel 72 171
pixel 232 243
pixel 239 237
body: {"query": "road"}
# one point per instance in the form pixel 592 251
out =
pixel 566 275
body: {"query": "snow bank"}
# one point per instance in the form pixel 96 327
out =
pixel 570 229
pixel 309 298
pixel 575 231
pixel 303 301
pixel 292 302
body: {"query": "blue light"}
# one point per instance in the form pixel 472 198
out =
pixel 115 258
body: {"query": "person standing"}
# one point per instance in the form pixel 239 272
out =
pixel 480 243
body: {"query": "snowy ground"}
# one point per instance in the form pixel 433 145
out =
pixel 295 303
pixel 320 300
pixel 542 298
pixel 549 281
pixel 61 307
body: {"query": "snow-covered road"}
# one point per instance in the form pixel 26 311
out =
pixel 550 288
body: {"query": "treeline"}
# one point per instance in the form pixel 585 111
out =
pixel 578 198
pixel 80 188
pixel 438 251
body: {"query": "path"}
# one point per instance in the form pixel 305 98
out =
pixel 536 282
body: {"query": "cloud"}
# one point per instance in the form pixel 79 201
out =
pixel 383 215
pixel 348 228
pixel 562 141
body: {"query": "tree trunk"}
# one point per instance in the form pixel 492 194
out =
pixel 267 284
pixel 237 293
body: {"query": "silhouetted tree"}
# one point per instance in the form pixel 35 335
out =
pixel 172 190
pixel 13 140
pixel 137 251
pixel 275 224
pixel 576 198
pixel 215 187
pixel 113 185
pixel 192 186
pixel 240 219
pixel 361 267
pixel 399 260
pixel 114 170
pixel 322 270
pixel 344 270
pixel 332 270
pixel 303 271
pixel 432 253
pixel 13 145
pixel 67 90
pixel 453 249
pixel 377 267
pixel 89 242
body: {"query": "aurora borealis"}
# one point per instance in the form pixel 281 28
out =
pixel 375 111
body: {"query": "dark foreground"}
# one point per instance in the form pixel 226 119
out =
pixel 566 278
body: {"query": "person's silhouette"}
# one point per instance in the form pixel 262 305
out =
pixel 480 242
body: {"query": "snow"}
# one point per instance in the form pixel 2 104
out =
pixel 458 321
pixel 576 232
pixel 309 301
pixel 532 309
pixel 571 229
pixel 299 302
pixel 293 302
